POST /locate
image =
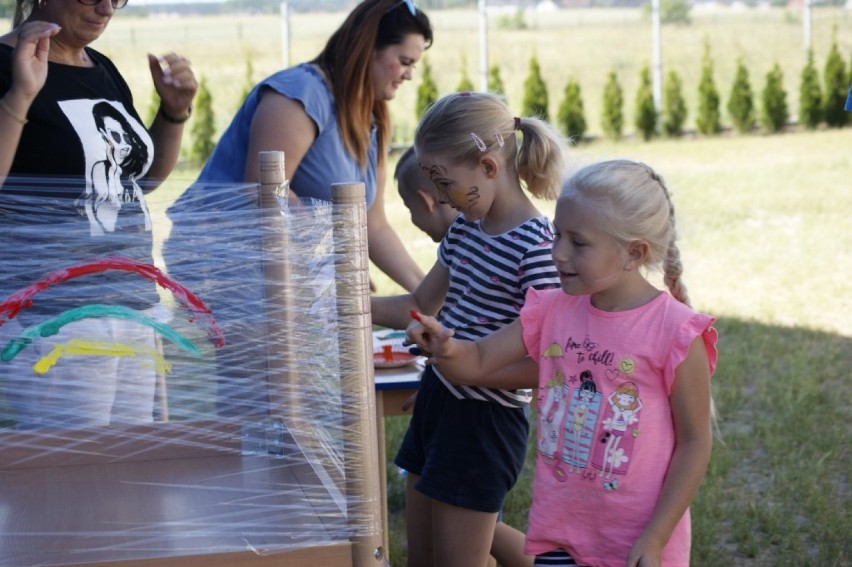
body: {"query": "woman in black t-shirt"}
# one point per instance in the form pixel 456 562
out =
pixel 74 159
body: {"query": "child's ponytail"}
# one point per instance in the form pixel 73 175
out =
pixel 540 160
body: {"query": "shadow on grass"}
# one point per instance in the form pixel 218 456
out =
pixel 777 489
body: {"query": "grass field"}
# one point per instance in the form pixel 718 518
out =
pixel 765 236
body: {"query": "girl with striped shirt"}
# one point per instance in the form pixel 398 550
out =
pixel 465 446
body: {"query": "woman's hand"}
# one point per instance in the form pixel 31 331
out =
pixel 29 59
pixel 175 83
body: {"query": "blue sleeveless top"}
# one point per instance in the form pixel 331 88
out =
pixel 327 160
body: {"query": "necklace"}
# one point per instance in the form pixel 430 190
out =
pixel 83 60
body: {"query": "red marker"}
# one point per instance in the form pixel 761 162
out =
pixel 415 315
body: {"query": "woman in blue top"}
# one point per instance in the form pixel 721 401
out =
pixel 331 119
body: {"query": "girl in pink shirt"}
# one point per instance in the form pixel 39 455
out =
pixel 625 408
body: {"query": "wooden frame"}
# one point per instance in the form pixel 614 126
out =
pixel 100 490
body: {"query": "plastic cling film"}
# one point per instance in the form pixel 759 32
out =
pixel 204 388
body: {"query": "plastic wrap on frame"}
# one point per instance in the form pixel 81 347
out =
pixel 199 403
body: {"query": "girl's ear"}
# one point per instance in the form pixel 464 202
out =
pixel 637 253
pixel 489 165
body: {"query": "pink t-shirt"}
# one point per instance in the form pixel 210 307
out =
pixel 605 430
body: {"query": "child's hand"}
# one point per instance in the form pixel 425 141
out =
pixel 428 334
pixel 645 553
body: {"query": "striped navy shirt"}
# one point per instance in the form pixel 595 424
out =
pixel 489 277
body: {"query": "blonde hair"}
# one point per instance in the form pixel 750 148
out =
pixel 459 126
pixel 638 206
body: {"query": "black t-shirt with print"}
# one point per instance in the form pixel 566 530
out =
pixel 74 193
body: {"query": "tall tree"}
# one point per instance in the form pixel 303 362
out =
pixel 810 95
pixel 203 128
pixel 708 119
pixel 612 119
pixel 674 105
pixel 427 91
pixel 645 118
pixel 741 101
pixel 535 99
pixel 774 111
pixel 836 87
pixel 571 116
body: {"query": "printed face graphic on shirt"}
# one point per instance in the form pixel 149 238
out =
pixel 118 152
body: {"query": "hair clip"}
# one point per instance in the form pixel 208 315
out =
pixel 517 123
pixel 411 7
pixel 500 141
pixel 478 141
pixel 465 93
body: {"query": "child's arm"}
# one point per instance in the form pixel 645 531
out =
pixel 385 248
pixel 690 401
pixel 393 311
pixel 476 363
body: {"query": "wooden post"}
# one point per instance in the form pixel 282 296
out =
pixel 278 293
pixel 356 372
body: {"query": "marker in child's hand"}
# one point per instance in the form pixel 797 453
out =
pixel 415 315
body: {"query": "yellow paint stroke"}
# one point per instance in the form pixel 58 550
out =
pixel 77 347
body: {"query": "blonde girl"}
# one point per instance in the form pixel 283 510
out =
pixel 647 437
pixel 466 445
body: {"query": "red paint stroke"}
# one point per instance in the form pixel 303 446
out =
pixel 199 312
pixel 415 315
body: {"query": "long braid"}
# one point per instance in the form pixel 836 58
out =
pixel 672 265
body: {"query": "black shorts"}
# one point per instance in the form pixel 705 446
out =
pixel 467 453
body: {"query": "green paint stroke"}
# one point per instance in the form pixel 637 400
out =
pixel 51 327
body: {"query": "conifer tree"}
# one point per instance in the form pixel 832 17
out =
pixel 836 87
pixel 153 106
pixel 741 101
pixel 707 120
pixel 203 125
pixel 810 95
pixel 612 120
pixel 571 117
pixel 248 82
pixel 774 112
pixel 465 84
pixel 427 91
pixel 535 99
pixel 645 118
pixel 495 82
pixel 674 105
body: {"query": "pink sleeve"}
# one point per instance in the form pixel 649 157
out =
pixel 699 324
pixel 531 315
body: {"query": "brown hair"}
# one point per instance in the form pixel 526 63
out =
pixel 346 60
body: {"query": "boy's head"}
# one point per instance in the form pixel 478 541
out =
pixel 420 196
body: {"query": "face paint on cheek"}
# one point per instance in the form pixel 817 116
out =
pixel 464 197
pixel 458 198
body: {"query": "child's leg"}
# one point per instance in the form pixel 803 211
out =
pixel 462 537
pixel 508 547
pixel 418 519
